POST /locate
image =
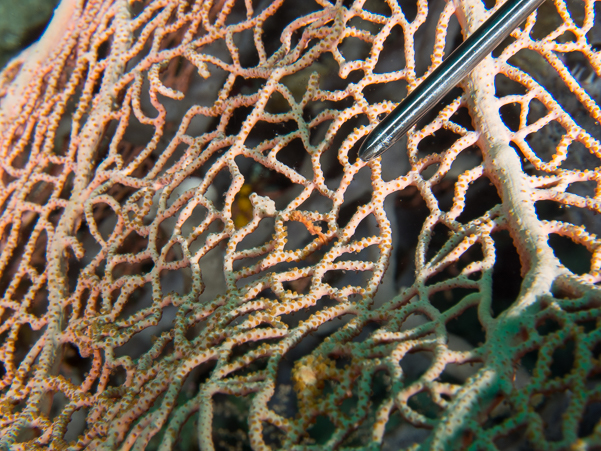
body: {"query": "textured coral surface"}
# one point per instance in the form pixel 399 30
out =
pixel 193 255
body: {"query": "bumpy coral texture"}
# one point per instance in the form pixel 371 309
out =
pixel 193 255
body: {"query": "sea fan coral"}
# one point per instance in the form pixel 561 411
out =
pixel 192 253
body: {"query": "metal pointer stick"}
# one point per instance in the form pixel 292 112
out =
pixel 446 76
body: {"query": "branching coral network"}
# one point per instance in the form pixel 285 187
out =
pixel 192 255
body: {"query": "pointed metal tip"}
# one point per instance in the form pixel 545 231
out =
pixel 373 146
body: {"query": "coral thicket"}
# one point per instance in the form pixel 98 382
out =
pixel 192 255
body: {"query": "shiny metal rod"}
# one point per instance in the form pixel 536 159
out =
pixel 446 76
